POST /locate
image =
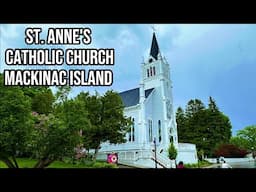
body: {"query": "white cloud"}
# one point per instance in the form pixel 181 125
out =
pixel 124 40
pixel 9 31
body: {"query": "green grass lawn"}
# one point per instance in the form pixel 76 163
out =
pixel 200 164
pixel 29 163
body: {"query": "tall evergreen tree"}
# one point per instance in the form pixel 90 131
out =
pixel 195 121
pixel 212 105
pixel 205 127
pixel 181 125
pixel 193 107
pixel 218 126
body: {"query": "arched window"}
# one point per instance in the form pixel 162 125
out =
pixel 148 72
pixel 151 72
pixel 159 131
pixel 171 139
pixel 150 136
pixel 131 132
pixel 154 70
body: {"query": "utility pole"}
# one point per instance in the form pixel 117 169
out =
pixel 155 152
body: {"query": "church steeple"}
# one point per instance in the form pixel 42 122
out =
pixel 154 51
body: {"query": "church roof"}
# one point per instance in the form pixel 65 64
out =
pixel 154 47
pixel 132 97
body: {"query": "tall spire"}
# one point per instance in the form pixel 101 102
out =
pixel 154 47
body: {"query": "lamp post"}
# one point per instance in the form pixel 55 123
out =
pixel 155 152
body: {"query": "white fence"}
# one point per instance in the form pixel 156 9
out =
pixel 134 157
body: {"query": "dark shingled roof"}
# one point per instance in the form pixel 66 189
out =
pixel 148 91
pixel 132 97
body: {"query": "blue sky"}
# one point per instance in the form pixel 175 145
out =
pixel 217 60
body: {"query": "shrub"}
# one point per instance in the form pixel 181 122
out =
pixel 172 151
pixel 200 154
pixel 229 150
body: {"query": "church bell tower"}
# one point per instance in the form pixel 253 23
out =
pixel 155 74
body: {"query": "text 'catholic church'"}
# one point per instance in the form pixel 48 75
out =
pixel 154 124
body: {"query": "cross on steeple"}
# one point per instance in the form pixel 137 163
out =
pixel 153 28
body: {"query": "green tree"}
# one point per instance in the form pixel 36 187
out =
pixel 218 127
pixel 15 123
pixel 92 137
pixel 49 138
pixel 212 105
pixel 193 107
pixel 195 123
pixel 181 125
pixel 62 94
pixel 106 118
pixel 249 134
pixel 31 91
pixel 172 151
pixel 57 135
pixel 240 142
pixel 115 124
pixel 200 154
pixel 205 127
pixel 42 102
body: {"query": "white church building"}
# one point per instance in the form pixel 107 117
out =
pixel 150 107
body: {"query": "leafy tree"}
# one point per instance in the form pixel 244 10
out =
pixel 62 94
pixel 42 102
pixel 106 118
pixel 31 91
pixel 57 135
pixel 115 124
pixel 92 103
pixel 172 151
pixel 200 154
pixel 15 123
pixel 248 134
pixel 240 142
pixel 229 150
pixel 49 138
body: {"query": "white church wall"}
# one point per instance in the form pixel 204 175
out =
pixel 133 113
pixel 158 113
pixel 149 116
pixel 154 82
